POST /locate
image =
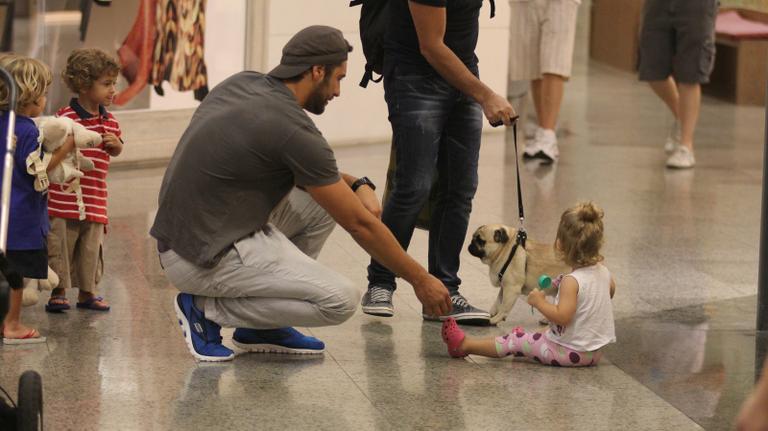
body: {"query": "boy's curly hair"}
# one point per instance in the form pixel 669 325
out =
pixel 85 66
pixel 581 235
pixel 32 79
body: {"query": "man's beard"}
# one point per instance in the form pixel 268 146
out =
pixel 317 100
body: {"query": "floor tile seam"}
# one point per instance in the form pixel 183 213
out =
pixel 360 389
pixel 686 305
pixel 694 304
pixel 656 394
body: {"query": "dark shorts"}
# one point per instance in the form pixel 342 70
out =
pixel 678 39
pixel 29 263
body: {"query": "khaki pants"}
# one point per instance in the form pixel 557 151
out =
pixel 271 278
pixel 75 253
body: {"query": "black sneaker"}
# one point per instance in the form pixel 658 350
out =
pixel 463 312
pixel 377 301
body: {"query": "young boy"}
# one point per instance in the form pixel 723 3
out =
pixel 74 246
pixel 28 224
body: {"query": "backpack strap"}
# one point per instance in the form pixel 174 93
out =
pixel 368 76
pixel 37 165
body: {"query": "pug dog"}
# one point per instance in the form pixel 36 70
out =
pixel 492 244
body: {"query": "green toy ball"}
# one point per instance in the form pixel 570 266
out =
pixel 545 282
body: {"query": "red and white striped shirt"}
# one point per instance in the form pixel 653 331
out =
pixel 94 183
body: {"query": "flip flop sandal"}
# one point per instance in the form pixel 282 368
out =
pixel 32 337
pixel 92 304
pixel 53 307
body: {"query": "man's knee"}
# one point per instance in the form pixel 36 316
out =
pixel 344 302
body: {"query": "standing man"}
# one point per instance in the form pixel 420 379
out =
pixel 239 240
pixel 542 37
pixel 677 54
pixel 436 104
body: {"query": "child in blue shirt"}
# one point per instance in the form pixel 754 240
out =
pixel 28 225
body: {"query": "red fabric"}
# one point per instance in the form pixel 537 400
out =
pixel 733 25
pixel 94 183
pixel 136 52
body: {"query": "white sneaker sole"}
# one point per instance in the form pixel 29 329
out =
pixel 378 310
pixel 185 330
pixel 460 318
pixel 274 348
pixel 23 341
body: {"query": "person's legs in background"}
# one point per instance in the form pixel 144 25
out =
pixel 547 98
pixel 676 56
pixel 557 36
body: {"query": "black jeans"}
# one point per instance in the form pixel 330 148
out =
pixel 435 128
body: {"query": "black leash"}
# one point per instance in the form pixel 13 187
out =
pixel 521 233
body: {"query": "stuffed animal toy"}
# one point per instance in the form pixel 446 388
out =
pixel 53 134
pixel 33 286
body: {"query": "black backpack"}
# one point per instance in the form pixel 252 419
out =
pixel 374 18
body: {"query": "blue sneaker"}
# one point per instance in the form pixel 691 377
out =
pixel 203 336
pixel 283 340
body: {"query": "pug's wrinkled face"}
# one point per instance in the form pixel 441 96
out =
pixel 489 239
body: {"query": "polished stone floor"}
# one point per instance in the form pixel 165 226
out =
pixel 682 246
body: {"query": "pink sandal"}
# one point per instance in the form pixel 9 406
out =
pixel 453 336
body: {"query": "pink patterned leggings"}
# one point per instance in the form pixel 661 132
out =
pixel 537 346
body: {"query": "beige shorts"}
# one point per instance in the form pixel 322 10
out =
pixel 75 253
pixel 542 35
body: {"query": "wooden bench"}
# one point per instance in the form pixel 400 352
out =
pixel 741 62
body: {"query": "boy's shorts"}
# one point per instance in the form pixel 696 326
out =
pixel 29 263
pixel 678 39
pixel 542 36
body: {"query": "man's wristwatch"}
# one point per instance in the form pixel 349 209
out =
pixel 364 181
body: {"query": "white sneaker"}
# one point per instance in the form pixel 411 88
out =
pixel 673 139
pixel 532 144
pixel 547 144
pixel 682 158
pixel 543 146
pixel 531 129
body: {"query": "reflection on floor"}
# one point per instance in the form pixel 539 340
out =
pixel 700 358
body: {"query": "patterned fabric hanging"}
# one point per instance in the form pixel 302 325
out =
pixel 178 55
pixel 166 43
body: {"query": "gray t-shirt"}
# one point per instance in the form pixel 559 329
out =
pixel 247 145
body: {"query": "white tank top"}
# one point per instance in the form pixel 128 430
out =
pixel 592 326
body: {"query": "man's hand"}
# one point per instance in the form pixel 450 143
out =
pixel 433 296
pixel 498 110
pixel 369 200
pixel 112 144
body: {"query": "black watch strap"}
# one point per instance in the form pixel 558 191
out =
pixel 363 181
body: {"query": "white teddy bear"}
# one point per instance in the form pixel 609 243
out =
pixel 53 134
pixel 32 287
